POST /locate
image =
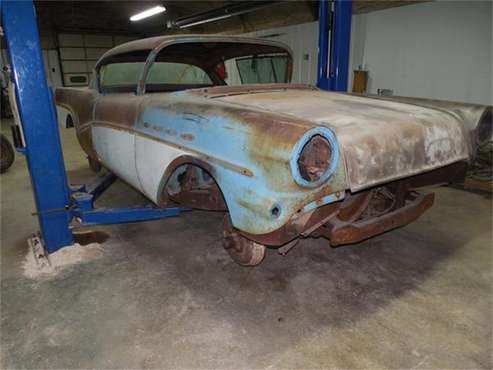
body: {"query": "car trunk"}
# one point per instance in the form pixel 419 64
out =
pixel 380 140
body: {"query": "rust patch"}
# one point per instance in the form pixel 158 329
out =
pixel 315 158
pixel 194 194
pixel 347 233
pixel 187 137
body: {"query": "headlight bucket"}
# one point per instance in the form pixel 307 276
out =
pixel 319 142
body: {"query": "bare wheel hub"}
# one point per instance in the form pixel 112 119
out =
pixel 243 251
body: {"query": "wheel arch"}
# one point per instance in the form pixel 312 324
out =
pixel 187 159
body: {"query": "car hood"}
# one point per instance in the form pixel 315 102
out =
pixel 381 140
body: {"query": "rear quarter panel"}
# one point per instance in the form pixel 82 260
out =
pixel 80 104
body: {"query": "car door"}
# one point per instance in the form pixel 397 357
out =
pixel 116 111
pixel 113 134
pixel 157 144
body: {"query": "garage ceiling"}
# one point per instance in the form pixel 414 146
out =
pixel 113 16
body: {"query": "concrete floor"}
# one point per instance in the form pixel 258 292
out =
pixel 164 294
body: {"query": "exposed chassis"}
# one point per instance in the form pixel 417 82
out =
pixel 358 217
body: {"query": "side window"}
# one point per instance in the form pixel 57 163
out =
pixel 257 69
pixel 177 74
pixel 124 75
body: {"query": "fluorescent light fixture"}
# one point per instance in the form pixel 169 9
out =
pixel 148 13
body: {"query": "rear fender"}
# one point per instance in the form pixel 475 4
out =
pixel 80 104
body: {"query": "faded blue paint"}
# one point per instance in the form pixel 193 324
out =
pixel 323 201
pixel 327 134
pixel 216 135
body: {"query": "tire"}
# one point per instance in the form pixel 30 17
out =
pixel 7 154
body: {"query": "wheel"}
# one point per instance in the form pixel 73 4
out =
pixel 7 154
pixel 94 165
pixel 243 251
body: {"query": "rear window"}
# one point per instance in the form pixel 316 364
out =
pixel 121 74
pixel 177 73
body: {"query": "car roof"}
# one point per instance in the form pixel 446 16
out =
pixel 160 42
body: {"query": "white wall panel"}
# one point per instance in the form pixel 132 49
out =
pixel 122 39
pixel 72 53
pixel 74 66
pixel 70 40
pixel 440 50
pixel 79 53
pixel 303 41
pixel 95 53
pixel 53 68
pixel 98 41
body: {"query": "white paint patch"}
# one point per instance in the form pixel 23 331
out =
pixel 60 260
pixel 116 149
pixel 152 160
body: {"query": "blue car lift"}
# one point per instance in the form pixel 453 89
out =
pixel 57 203
pixel 334 36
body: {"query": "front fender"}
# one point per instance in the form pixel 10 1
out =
pixel 246 151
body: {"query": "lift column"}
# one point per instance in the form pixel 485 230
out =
pixel 39 124
pixel 334 44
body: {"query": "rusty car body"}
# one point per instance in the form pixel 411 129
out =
pixel 285 161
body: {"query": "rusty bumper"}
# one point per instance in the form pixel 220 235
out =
pixel 339 232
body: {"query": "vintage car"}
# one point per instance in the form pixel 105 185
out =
pixel 213 123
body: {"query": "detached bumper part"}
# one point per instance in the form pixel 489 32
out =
pixel 340 232
pixel 358 217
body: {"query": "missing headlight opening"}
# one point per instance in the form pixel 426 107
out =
pixel 315 158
